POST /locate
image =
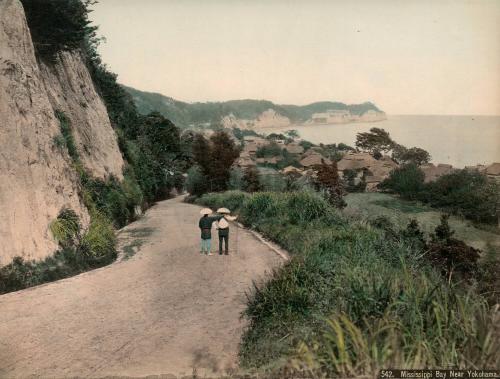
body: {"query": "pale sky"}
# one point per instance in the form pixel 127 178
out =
pixel 406 56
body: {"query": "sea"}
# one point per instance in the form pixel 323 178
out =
pixel 457 140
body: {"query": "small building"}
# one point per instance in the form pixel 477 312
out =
pixel 250 149
pixel 331 116
pixel 314 160
pixel 493 170
pixel 294 148
pixel 432 172
pixel 268 160
pixel 291 170
pixel 244 162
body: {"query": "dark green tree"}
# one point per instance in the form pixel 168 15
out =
pixel 58 25
pixel 375 139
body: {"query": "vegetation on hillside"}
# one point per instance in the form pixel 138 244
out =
pixel 355 298
pixel 467 193
pixel 213 158
pixel 185 114
pixel 58 25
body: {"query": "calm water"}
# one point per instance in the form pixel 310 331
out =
pixel 457 140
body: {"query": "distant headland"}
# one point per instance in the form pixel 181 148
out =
pixel 249 114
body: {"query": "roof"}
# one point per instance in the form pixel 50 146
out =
pixel 493 169
pixel 250 147
pixel 294 148
pixel 357 161
pixel 433 172
pixel 314 160
pixel 244 162
pixel 272 160
pixel 290 169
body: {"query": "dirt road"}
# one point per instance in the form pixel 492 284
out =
pixel 164 310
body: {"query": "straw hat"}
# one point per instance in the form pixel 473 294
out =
pixel 223 211
pixel 223 224
pixel 206 211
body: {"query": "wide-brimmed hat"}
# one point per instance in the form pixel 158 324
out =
pixel 206 211
pixel 223 211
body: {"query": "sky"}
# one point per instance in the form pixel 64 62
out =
pixel 408 57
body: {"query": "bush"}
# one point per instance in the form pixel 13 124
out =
pixel 467 193
pixel 407 180
pixel 77 253
pixel 58 25
pixel 383 302
pixel 196 183
pixel 251 180
pixel 236 179
pixel 272 182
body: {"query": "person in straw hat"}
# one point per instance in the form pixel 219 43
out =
pixel 223 227
pixel 205 225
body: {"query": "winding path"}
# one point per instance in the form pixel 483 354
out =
pixel 164 310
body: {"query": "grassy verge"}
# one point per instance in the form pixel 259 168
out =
pixel 399 211
pixel 353 298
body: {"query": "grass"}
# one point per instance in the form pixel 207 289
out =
pixel 77 253
pixel 353 299
pixel 399 211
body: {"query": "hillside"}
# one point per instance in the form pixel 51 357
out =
pixel 191 114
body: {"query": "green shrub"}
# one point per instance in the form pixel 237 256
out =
pixel 77 254
pixel 233 200
pixel 69 141
pixel 407 180
pixel 58 25
pixel 355 298
pixel 66 227
pixel 305 207
pixel 98 244
pixel 464 192
pixel 236 182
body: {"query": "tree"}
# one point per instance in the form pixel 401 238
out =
pixel 407 180
pixel 215 158
pixel 58 25
pixel 328 181
pixel 251 182
pixel 292 133
pixel 375 139
pixel 414 155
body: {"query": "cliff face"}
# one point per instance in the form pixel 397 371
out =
pixel 36 176
pixel 70 89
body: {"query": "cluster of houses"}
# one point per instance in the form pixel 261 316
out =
pixel 364 165
pixel 341 116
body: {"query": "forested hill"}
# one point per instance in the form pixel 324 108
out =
pixel 184 114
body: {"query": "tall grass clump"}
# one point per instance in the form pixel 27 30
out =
pixel 78 251
pixel 356 296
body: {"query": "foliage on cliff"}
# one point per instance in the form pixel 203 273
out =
pixel 58 25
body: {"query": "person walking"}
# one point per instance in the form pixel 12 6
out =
pixel 205 225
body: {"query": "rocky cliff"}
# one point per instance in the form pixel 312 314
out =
pixel 37 179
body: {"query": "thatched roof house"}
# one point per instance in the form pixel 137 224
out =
pixel 314 160
pixel 270 160
pixel 493 169
pixel 291 170
pixel 244 162
pixel 432 172
pixel 294 148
